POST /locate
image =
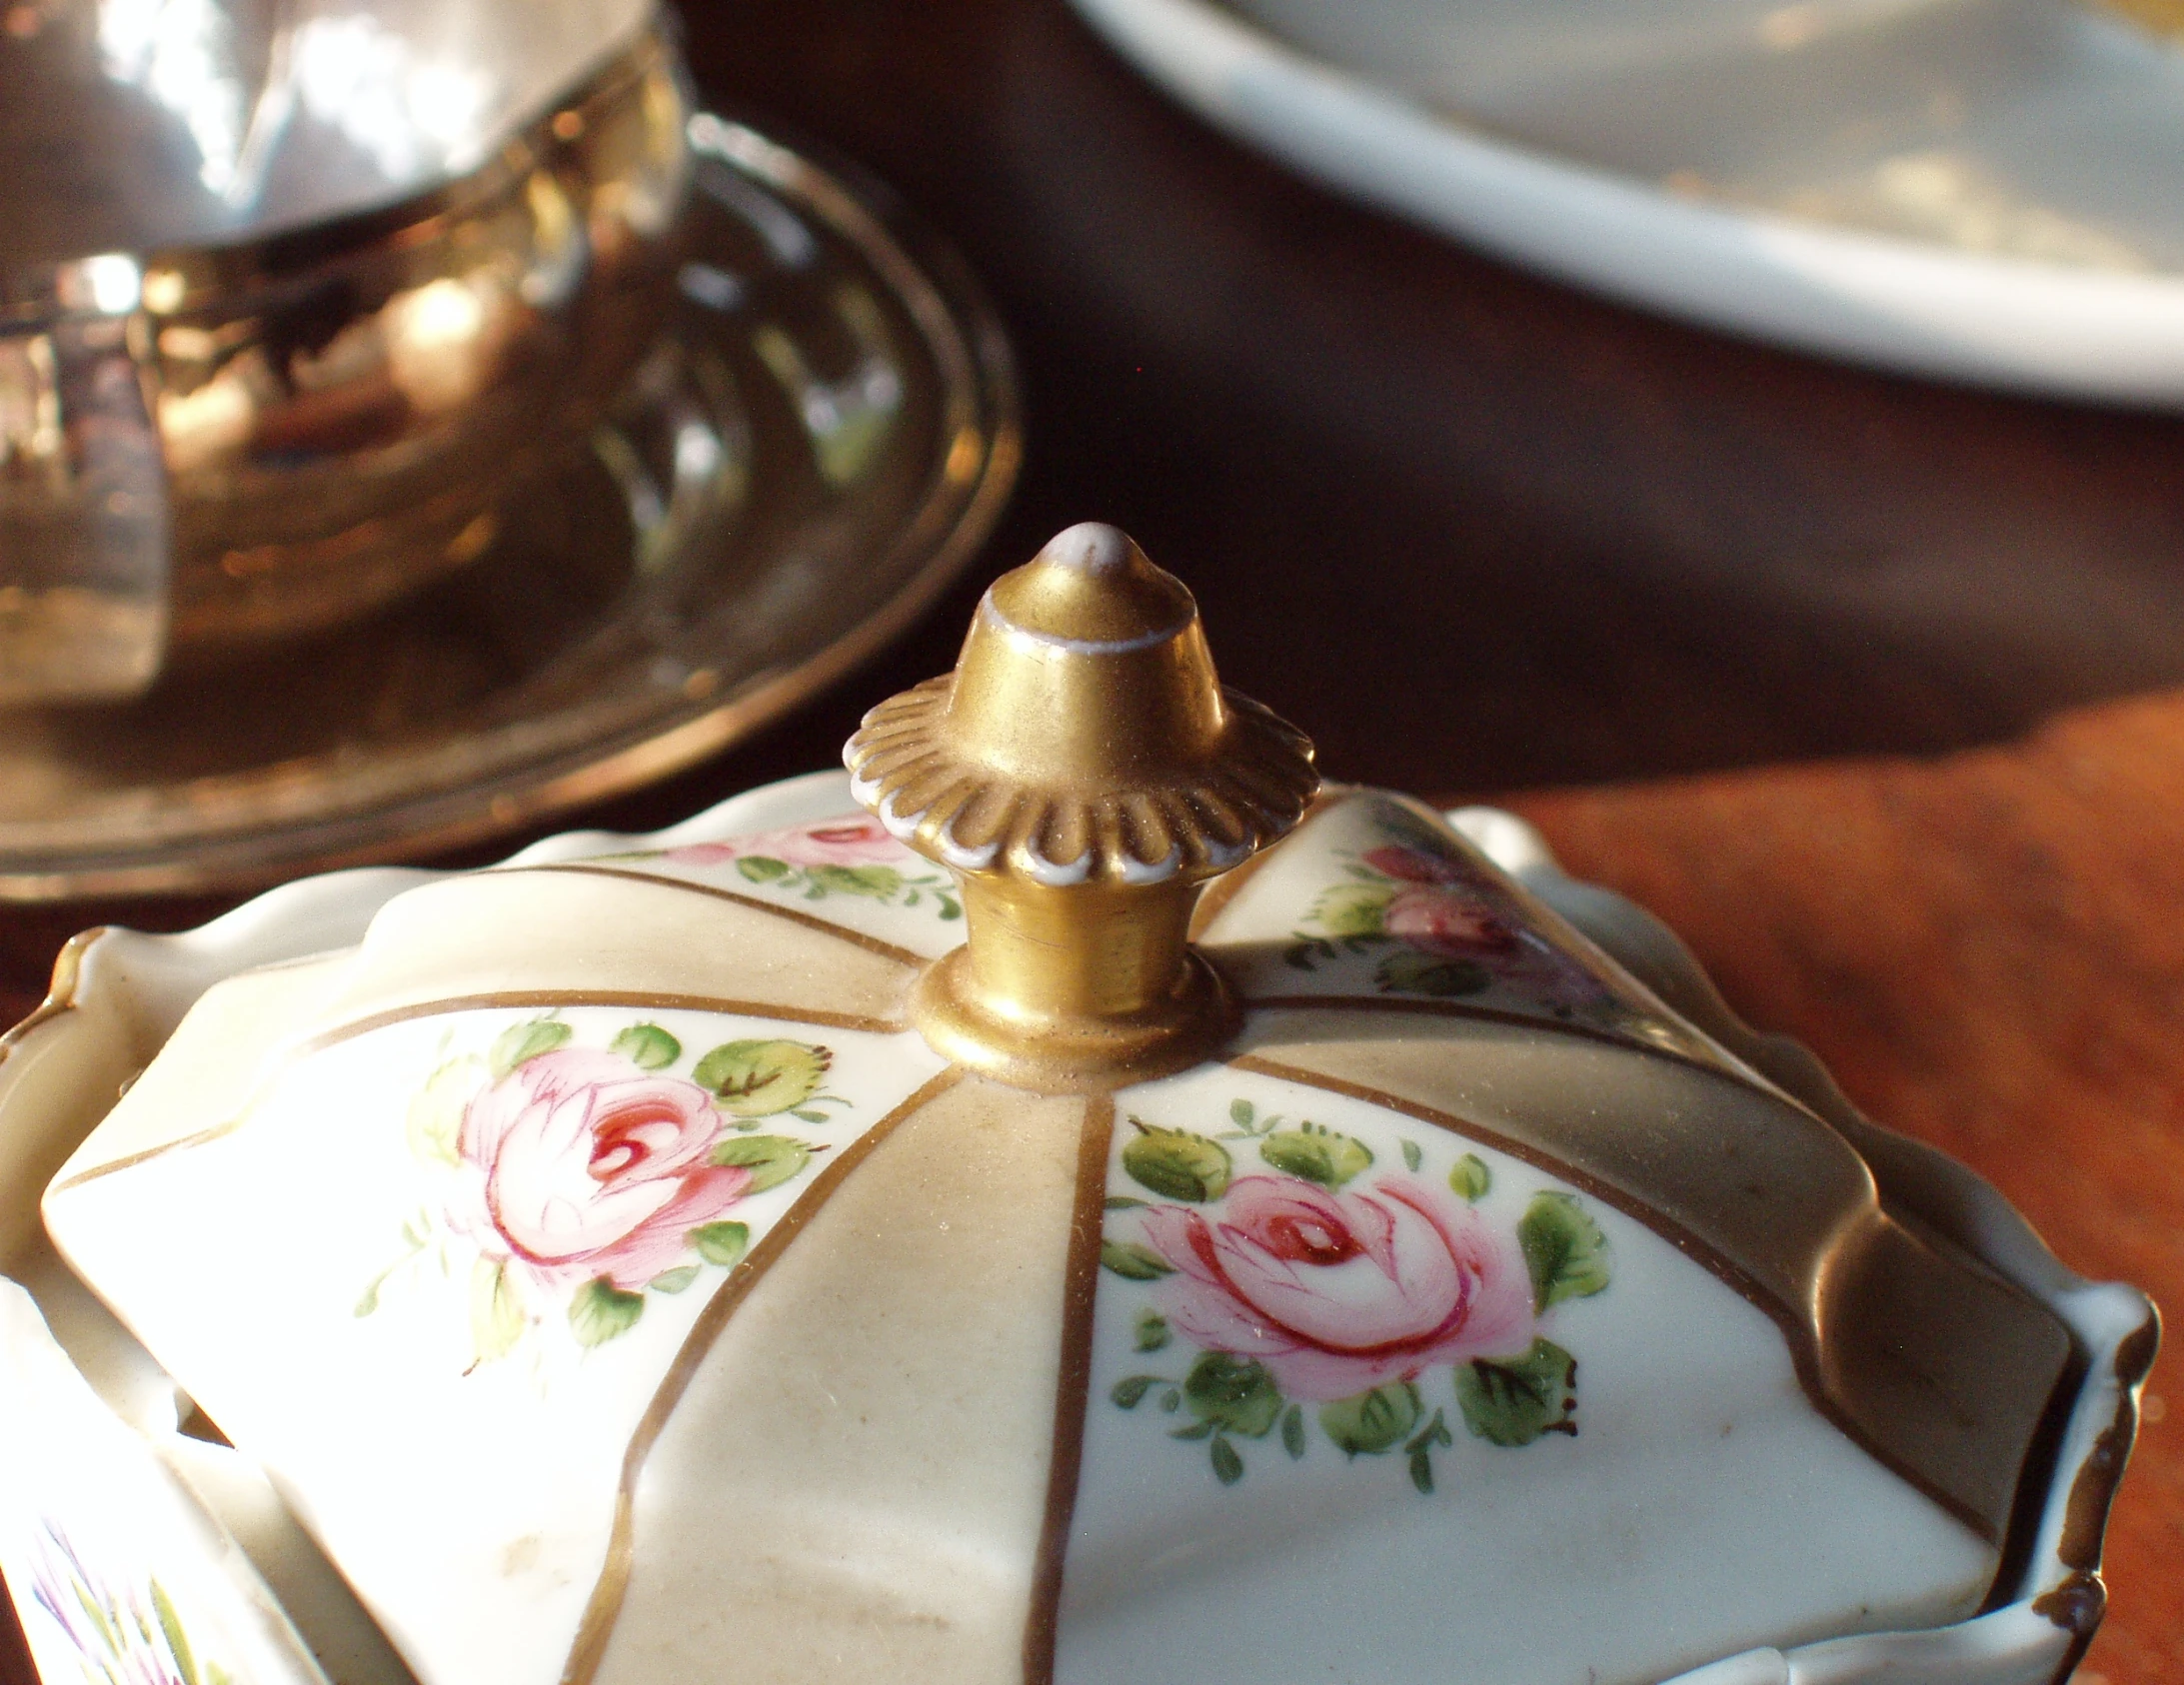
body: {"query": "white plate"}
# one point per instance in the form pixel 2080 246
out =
pixel 1989 191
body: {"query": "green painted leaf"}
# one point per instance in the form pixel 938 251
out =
pixel 1176 1164
pixel 170 1628
pixel 1292 1431
pixel 1121 1202
pixel 771 1159
pixel 876 881
pixel 674 1281
pixel 759 1078
pixel 1151 1330
pixel 1228 1466
pixel 1132 1261
pixel 1197 1431
pixel 647 1046
pixel 1471 1177
pixel 1421 1470
pixel 1409 971
pixel 1235 1394
pixel 949 907
pixel 1354 909
pixel 1240 1113
pixel 1375 1421
pixel 434 1122
pixel 527 1040
pixel 496 1318
pixel 1563 1249
pixel 1513 1400
pixel 1131 1392
pixel 1412 1157
pixel 721 1244
pixel 758 869
pixel 601 1311
pixel 1317 1155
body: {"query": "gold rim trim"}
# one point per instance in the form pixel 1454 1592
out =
pixel 61 986
pixel 599 1613
pixel 1072 1386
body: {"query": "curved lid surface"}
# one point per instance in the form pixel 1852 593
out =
pixel 635 1269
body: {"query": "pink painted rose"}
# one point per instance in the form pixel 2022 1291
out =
pixel 1337 1293
pixel 858 840
pixel 580 1165
pixel 1412 865
pixel 1447 923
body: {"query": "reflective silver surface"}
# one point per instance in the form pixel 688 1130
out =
pixel 818 432
pixel 206 447
pixel 129 125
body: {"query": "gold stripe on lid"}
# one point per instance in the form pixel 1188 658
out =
pixel 1083 774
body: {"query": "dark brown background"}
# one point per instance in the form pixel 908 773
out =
pixel 1870 675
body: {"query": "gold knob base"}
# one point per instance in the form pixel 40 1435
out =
pixel 1073 1054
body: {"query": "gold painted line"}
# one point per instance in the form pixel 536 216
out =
pixel 475 1003
pixel 1072 1383
pixel 825 927
pixel 60 990
pixel 1797 1333
pixel 605 1605
pixel 639 1000
pixel 127 1160
pixel 1214 899
pixel 1486 1014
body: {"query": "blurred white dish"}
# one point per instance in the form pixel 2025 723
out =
pixel 1989 191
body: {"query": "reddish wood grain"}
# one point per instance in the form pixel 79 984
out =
pixel 1988 951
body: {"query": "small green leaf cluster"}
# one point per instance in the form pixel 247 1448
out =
pixel 762 1079
pixel 519 1044
pixel 870 882
pixel 1563 1249
pixel 1410 971
pixel 1176 1164
pixel 1317 1155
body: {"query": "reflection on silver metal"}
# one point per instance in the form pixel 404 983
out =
pixel 814 432
pixel 337 406
pixel 139 125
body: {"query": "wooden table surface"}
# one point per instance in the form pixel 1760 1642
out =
pixel 1873 688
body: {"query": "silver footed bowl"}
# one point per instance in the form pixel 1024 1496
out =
pixel 292 291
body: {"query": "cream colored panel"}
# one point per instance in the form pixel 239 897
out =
pixel 423 1288
pixel 854 1486
pixel 205 1076
pixel 1933 1362
pixel 530 931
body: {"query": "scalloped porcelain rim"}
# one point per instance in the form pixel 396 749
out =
pixel 137 986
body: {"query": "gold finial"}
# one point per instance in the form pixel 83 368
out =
pixel 1083 774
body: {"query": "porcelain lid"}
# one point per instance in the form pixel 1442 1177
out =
pixel 612 1276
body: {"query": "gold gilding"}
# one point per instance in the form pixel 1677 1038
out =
pixel 1083 774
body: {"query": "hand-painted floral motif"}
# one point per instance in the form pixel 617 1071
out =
pixel 1450 929
pixel 1300 1290
pixel 580 1179
pixel 853 855
pixel 132 1637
